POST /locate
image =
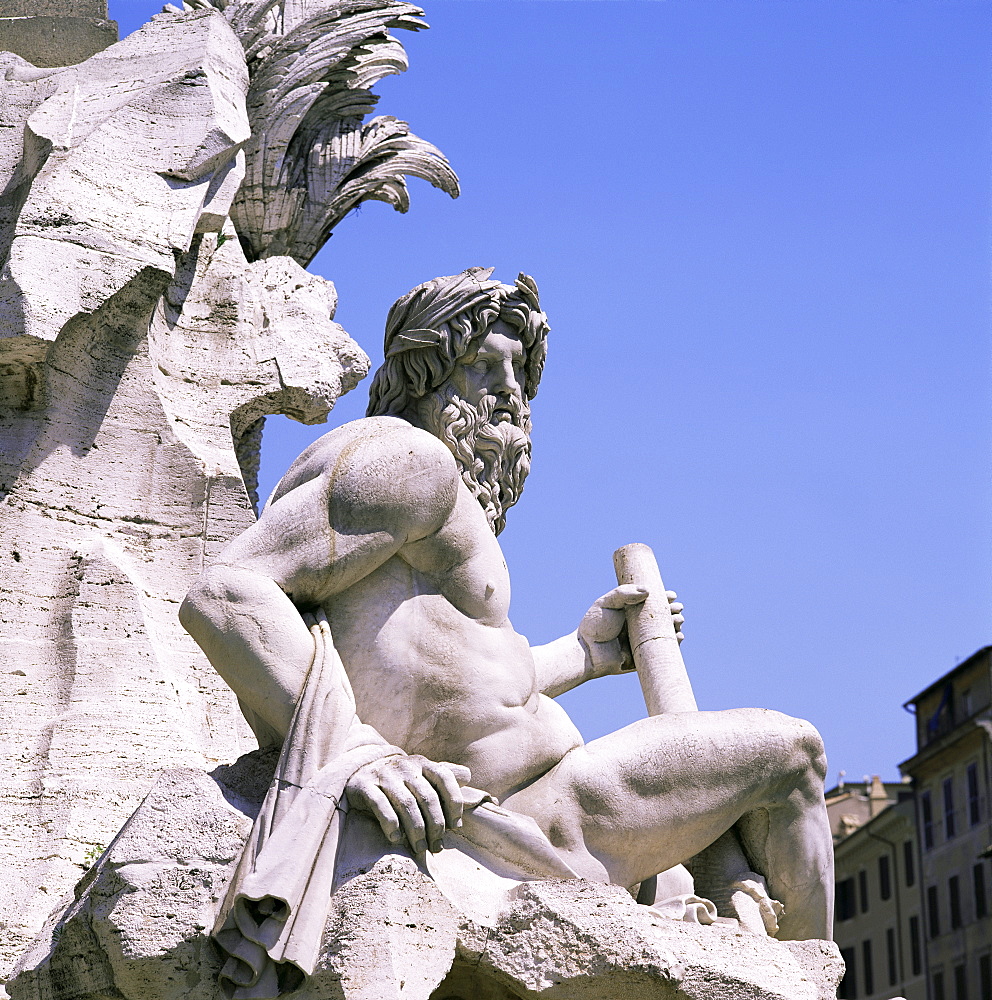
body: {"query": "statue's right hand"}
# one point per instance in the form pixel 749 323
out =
pixel 411 797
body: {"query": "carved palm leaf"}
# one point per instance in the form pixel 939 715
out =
pixel 312 158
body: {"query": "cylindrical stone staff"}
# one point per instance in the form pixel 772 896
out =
pixel 653 640
pixel 654 646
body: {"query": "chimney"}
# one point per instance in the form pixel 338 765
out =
pixel 878 797
pixel 55 32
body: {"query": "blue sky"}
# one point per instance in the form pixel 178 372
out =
pixel 761 234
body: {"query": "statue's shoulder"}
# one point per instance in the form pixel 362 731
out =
pixel 374 456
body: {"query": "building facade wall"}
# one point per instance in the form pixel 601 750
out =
pixel 952 774
pixel 879 923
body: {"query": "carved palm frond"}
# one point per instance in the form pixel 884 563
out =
pixel 312 157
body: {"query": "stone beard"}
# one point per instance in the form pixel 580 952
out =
pixel 490 442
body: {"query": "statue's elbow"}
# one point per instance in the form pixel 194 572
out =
pixel 195 611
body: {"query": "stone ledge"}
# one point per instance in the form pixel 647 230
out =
pixel 54 8
pixel 56 40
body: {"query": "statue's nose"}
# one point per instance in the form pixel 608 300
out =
pixel 506 380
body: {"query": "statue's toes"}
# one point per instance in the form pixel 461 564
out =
pixel 753 906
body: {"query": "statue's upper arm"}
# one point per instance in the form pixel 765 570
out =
pixel 404 482
pixel 372 497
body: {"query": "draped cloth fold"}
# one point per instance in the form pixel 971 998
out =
pixel 272 919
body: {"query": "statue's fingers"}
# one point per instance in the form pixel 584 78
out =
pixel 601 624
pixel 678 621
pixel 431 811
pixel 408 810
pixel 374 801
pixel 675 608
pixel 623 596
pixel 462 774
pixel 441 776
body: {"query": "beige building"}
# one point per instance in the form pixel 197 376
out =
pixel 878 925
pixel 952 778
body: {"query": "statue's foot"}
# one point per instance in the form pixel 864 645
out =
pixel 751 904
pixel 688 908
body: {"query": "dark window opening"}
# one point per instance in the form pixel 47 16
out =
pixel 890 954
pixel 926 808
pixel 960 982
pixel 908 862
pixel 985 977
pixel 933 913
pixel 938 986
pixel 869 971
pixel 981 900
pixel 863 890
pixel 950 829
pixel 884 877
pixel 974 813
pixel 915 946
pixel 848 989
pixel 844 905
pixel 954 895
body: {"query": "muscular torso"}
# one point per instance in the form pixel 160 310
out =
pixel 433 660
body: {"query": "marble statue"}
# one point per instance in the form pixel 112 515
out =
pixel 421 820
pixel 421 702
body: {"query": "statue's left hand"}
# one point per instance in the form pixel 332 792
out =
pixel 603 628
pixel 413 798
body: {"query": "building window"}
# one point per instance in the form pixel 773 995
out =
pixel 848 989
pixel 985 977
pixel 974 813
pixel 981 900
pixel 908 862
pixel 938 986
pixel 863 890
pixel 960 982
pixel 926 807
pixel 933 914
pixel 869 971
pixel 884 877
pixel 890 954
pixel 915 947
pixel 845 899
pixel 949 827
pixel 954 895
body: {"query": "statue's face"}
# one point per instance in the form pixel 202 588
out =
pixel 495 369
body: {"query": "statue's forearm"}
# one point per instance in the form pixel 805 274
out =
pixel 562 665
pixel 254 638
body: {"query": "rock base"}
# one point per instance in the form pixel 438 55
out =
pixel 137 927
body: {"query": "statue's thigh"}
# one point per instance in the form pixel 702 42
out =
pixel 654 793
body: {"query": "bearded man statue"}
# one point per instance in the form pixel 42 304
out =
pixel 363 623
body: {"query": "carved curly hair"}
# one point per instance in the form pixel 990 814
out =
pixel 431 328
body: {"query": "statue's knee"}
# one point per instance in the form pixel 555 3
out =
pixel 802 757
pixel 810 757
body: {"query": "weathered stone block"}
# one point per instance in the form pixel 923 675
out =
pixel 137 927
pixel 53 8
pixel 56 40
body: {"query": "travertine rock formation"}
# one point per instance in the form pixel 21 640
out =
pixel 136 927
pixel 138 351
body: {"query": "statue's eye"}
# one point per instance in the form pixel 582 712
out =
pixel 481 366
